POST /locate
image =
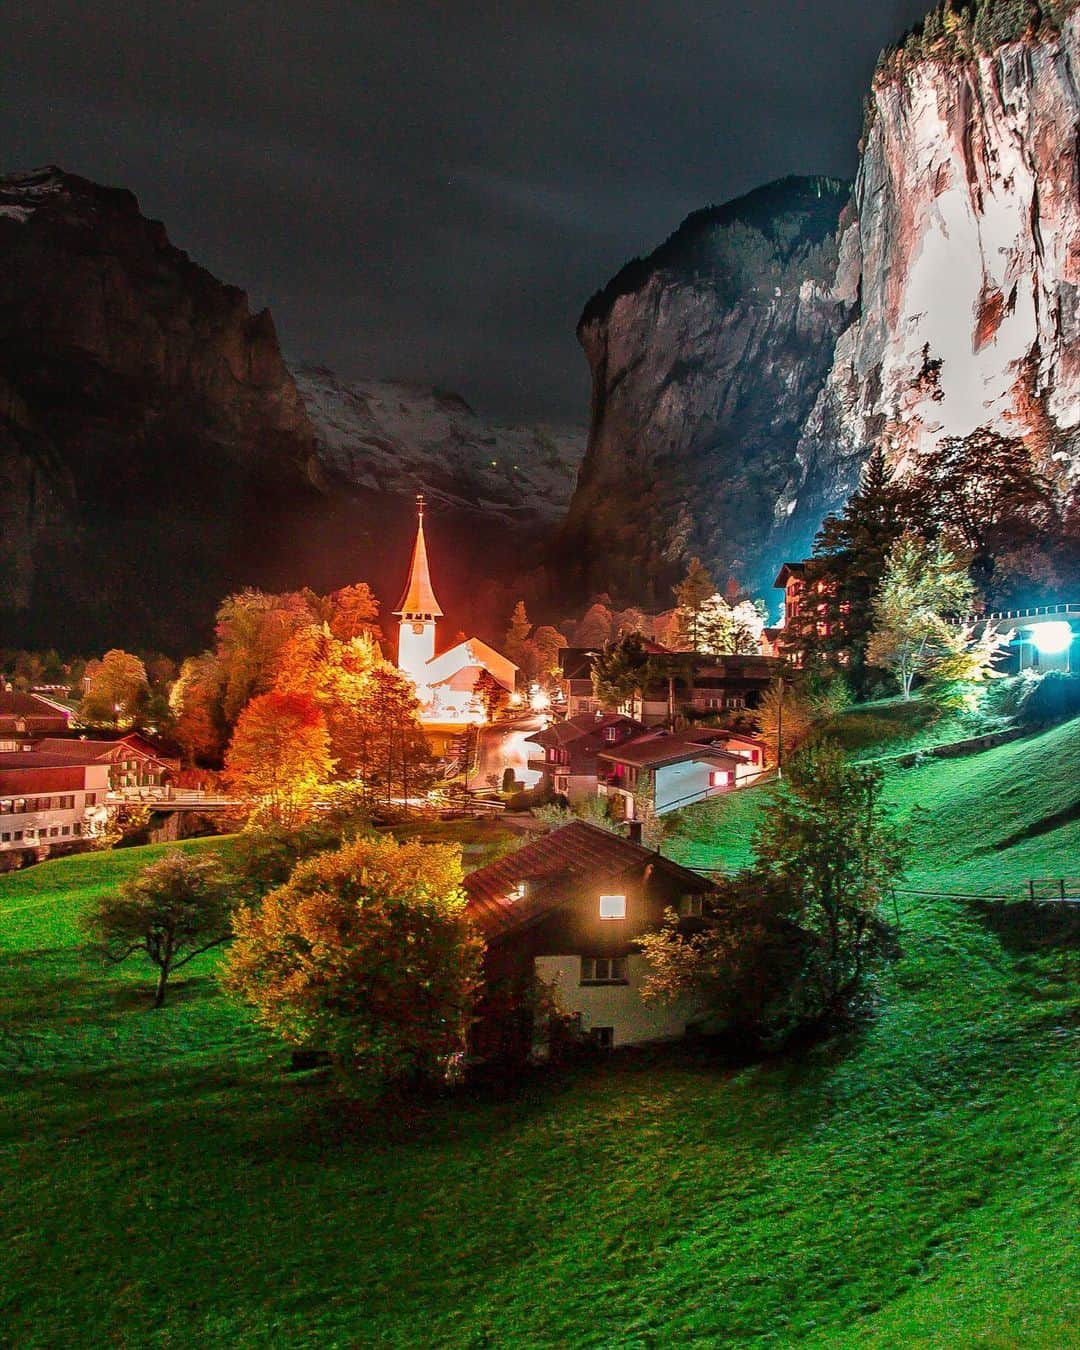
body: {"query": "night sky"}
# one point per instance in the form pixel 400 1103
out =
pixel 432 191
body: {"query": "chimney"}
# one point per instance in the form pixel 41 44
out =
pixel 634 827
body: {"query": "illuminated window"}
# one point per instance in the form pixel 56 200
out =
pixel 603 970
pixel 719 778
pixel 517 892
pixel 613 906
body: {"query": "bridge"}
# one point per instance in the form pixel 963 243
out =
pixel 1005 619
pixel 1043 636
pixel 168 799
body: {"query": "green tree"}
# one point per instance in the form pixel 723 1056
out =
pixel 692 594
pixel 924 585
pixel 367 954
pixel 173 910
pixel 619 670
pixel 118 690
pixel 783 718
pixel 517 634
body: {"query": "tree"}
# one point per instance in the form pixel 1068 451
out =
pixel 173 910
pixel 982 490
pixel 195 701
pixel 353 612
pixel 549 642
pixel 784 715
pixel 596 626
pixel 117 691
pixel 518 632
pixel 392 744
pixel 923 583
pixel 279 754
pixel 619 670
pixel 366 954
pixel 253 627
pixel 492 696
pixel 691 596
pixel 843 576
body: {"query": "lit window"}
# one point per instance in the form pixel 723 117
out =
pixel 720 778
pixel 613 906
pixel 691 906
pixel 517 892
pixel 603 970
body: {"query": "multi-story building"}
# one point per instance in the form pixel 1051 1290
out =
pixel 24 716
pixel 570 748
pixel 48 803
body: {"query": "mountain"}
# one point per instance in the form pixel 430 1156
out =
pixel 707 358
pixel 390 436
pixel 156 451
pixel 743 372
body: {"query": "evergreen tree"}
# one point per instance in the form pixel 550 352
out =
pixel 620 670
pixel 692 594
pixel 518 632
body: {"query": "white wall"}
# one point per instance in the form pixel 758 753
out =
pixel 35 828
pixel 613 1005
pixel 675 783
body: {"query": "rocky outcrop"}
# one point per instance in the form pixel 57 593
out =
pixel 707 357
pixel 389 436
pixel 967 231
pixel 153 447
pixel 729 413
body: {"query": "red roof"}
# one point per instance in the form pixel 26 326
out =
pixel 85 751
pixel 550 866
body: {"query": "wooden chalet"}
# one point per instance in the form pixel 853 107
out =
pixel 569 909
pixel 568 763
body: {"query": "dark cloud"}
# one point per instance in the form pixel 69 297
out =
pixel 431 191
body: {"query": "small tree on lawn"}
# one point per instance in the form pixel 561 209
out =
pixel 923 583
pixel 368 955
pixel 786 714
pixel 173 910
pixel 279 754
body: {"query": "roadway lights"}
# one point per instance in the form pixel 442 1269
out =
pixel 1052 638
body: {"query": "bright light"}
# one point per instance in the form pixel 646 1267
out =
pixel 539 701
pixel 515 700
pixel 1052 638
pixel 613 906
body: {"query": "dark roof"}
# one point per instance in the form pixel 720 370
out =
pixel 16 704
pixel 789 569
pixel 83 750
pixel 573 853
pixel 567 730
pixel 667 747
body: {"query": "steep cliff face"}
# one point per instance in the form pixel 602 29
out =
pixel 707 358
pixel 151 438
pixel 968 237
pixel 727 419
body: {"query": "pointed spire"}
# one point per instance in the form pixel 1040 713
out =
pixel 419 598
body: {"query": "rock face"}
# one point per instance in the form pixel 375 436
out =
pixel 388 436
pixel 153 447
pixel 967 231
pixel 707 357
pixel 730 413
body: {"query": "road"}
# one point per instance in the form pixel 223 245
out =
pixel 504 745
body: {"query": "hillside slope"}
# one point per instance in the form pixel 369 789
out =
pixel 912 1184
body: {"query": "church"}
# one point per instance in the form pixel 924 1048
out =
pixel 445 684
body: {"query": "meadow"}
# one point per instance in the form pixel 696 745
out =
pixel 166 1180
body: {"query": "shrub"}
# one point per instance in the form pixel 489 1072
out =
pixel 1054 698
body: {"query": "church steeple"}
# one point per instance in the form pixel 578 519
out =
pixel 418 602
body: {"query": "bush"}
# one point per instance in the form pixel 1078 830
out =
pixel 541 795
pixel 1054 698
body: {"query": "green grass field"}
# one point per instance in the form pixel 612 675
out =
pixel 167 1182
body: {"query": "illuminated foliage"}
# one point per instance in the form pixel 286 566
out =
pixel 279 754
pixel 365 954
pixel 117 691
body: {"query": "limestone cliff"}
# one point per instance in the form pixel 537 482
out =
pixel 967 231
pixel 706 357
pixel 730 414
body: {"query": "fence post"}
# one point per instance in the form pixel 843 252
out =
pixel 1031 888
pixel 1062 884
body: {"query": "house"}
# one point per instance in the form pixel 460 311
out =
pixel 666 770
pixel 28 715
pixel 131 760
pixel 445 684
pixel 575 680
pixel 568 764
pixel 47 802
pixel 569 909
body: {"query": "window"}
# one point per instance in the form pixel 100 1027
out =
pixel 517 892
pixel 611 734
pixel 603 970
pixel 720 778
pixel 91 799
pixel 5 838
pixel 691 906
pixel 604 1037
pixel 613 906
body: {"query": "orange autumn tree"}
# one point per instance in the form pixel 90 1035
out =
pixel 365 954
pixel 279 754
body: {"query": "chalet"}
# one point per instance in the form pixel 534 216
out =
pixel 569 908
pixel 133 762
pixel 575 680
pixel 48 803
pixel 666 770
pixel 570 748
pixel 24 716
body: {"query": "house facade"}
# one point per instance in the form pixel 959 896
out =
pixel 47 803
pixel 132 762
pixel 665 771
pixel 569 908
pixel 567 761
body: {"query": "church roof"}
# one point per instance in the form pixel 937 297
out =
pixel 419 598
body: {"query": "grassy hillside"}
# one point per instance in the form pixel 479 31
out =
pixel 167 1182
